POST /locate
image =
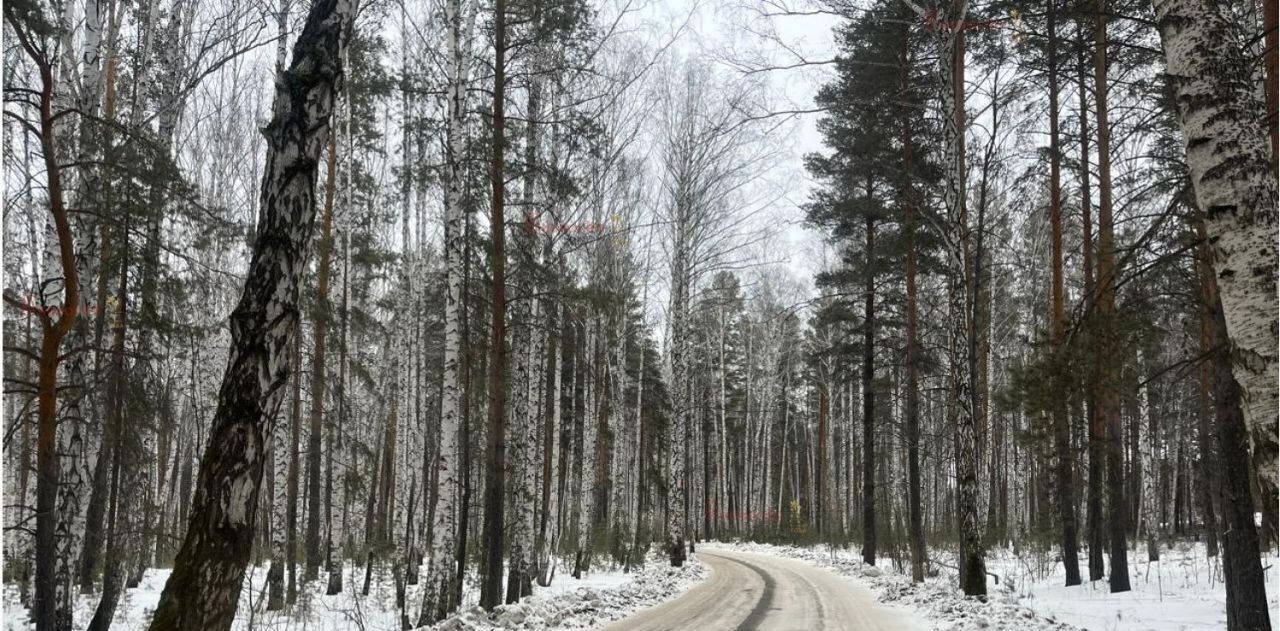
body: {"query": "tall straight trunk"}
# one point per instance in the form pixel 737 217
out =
pixel 496 447
pixel 339 535
pixel 125 455
pixel 1149 499
pixel 708 430
pixel 103 467
pixel 22 543
pixel 591 420
pixel 114 570
pixel 1206 437
pixel 620 446
pixel 722 478
pixel 949 36
pixel 1234 178
pixel 1108 404
pixel 636 553
pixel 438 600
pixel 291 512
pixel 524 335
pixel 820 472
pixel 549 540
pixel 1061 427
pixel 203 589
pixel 1242 570
pixel 1096 429
pixel 869 400
pixel 915 527
pixel 675 438
pixel 386 478
pixel 960 296
pixel 464 430
pixel 320 316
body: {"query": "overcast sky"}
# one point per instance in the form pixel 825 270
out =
pixel 733 33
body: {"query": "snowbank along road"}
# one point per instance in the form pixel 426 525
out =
pixel 751 591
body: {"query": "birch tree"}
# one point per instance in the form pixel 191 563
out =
pixel 438 594
pixel 210 565
pixel 1223 129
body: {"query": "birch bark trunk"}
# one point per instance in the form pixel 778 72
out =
pixel 203 589
pixel 1225 132
pixel 949 27
pixel 439 599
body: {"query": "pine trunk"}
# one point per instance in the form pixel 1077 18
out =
pixel 1061 428
pixel 1247 608
pixel 869 402
pixel 496 447
pixel 1108 404
pixel 321 318
pixel 1096 429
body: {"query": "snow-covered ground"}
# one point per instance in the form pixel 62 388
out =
pixel 1183 591
pixel 592 602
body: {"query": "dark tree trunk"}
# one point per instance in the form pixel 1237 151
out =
pixel 124 461
pixel 915 527
pixel 1205 436
pixel 98 501
pixel 1242 567
pixel 468 400
pixel 203 590
pixel 495 465
pixel 820 475
pixel 1061 427
pixel 1247 608
pixel 321 318
pixel 114 574
pixel 1108 403
pixel 1096 431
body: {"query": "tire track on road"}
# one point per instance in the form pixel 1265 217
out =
pixel 765 604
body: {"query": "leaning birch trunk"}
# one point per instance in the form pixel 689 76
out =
pixel 279 446
pixel 203 590
pixel 1225 131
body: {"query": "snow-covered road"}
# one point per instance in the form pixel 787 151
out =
pixel 753 591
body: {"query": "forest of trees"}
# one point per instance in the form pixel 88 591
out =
pixel 388 294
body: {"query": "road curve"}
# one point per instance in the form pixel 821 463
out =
pixel 746 592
